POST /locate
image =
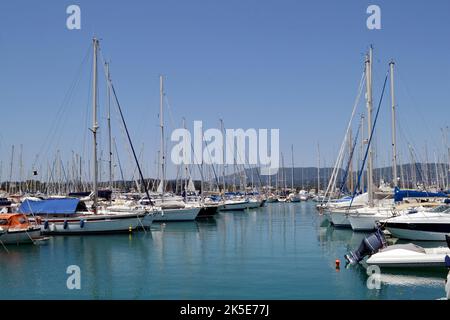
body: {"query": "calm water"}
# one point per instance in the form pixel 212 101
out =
pixel 282 251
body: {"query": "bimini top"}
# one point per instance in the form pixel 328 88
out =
pixel 64 206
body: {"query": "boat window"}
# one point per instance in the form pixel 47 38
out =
pixel 447 211
pixel 3 222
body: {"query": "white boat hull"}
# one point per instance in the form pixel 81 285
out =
pixel 20 236
pixel 92 224
pixel 254 204
pixel 234 206
pixel 417 235
pixel 339 219
pixel 401 258
pixel 365 222
pixel 185 214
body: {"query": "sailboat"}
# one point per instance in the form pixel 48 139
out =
pixel 171 209
pixel 15 228
pixel 70 216
pixel 293 196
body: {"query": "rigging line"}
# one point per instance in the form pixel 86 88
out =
pixel 118 161
pixel 66 97
pixel 128 134
pixel 332 180
pixel 350 158
pixel 418 110
pixel 369 142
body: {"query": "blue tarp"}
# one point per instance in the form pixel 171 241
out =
pixel 50 206
pixel 400 194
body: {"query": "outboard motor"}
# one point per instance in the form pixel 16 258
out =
pixel 370 245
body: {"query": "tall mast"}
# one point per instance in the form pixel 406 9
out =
pixel 95 125
pixel 223 154
pixel 362 152
pixel 394 135
pixel 161 123
pixel 201 174
pixel 185 167
pixel 283 174
pixel 292 177
pixel 369 124
pixel 318 168
pixel 109 127
pixel 21 169
pixel 11 170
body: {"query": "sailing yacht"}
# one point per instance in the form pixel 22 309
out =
pixel 172 209
pixel 70 215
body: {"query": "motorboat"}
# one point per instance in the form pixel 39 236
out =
pixel 294 197
pixel 367 218
pixel 303 195
pixel 409 256
pixel 431 225
pixel 234 205
pixel 16 228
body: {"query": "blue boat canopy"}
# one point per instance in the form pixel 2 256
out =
pixel 64 206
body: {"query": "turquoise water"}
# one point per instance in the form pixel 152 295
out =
pixel 282 251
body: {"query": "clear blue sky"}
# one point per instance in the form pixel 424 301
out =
pixel 292 65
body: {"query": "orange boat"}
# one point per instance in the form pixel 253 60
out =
pixel 15 228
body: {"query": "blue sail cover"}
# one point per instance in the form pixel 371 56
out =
pixel 400 194
pixel 63 206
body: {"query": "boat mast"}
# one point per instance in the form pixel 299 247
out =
pixel 109 126
pixel 185 168
pixel 362 152
pixel 292 177
pixel 223 154
pixel 394 134
pixel 161 123
pixel 318 168
pixel 95 125
pixel 369 124
pixel 11 170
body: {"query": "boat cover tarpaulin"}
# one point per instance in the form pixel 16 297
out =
pixel 51 206
pixel 401 194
